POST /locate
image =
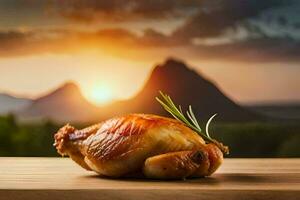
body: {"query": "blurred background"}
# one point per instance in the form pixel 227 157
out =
pixel 82 62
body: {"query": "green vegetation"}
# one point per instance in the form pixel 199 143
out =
pixel 260 139
pixel 244 140
pixel 26 139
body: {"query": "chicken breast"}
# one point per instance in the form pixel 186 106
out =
pixel 154 146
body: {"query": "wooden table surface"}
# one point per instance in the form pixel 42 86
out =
pixel 60 178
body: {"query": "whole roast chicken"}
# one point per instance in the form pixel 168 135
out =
pixel 140 144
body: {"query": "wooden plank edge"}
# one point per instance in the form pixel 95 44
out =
pixel 125 194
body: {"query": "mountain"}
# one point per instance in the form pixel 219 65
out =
pixel 186 87
pixel 10 104
pixel 64 104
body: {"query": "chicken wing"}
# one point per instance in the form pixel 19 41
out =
pixel 155 146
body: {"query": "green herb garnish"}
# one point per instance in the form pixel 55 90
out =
pixel 190 120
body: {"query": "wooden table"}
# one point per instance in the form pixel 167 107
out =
pixel 60 178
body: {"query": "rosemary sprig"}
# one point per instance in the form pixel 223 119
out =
pixel 190 120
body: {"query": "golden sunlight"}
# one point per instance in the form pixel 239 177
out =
pixel 101 94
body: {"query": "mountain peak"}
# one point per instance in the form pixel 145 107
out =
pixel 70 85
pixel 173 72
pixel 66 103
pixel 187 87
pixel 68 90
pixel 173 68
pixel 172 64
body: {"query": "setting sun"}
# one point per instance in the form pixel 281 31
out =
pixel 101 95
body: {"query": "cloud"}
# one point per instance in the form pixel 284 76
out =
pixel 123 10
pixel 12 37
pixel 217 16
pixel 151 45
pixel 205 18
pixel 252 50
pixel 282 21
pixel 296 25
pixel 57 41
pixel 13 41
pixel 218 30
pixel 126 10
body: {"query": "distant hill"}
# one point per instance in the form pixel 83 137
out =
pixel 278 110
pixel 64 104
pixel 186 87
pixel 10 104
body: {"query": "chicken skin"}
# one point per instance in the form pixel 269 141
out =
pixel 154 146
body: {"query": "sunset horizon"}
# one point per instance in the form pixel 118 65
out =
pixel 115 92
pixel 253 56
pixel 90 91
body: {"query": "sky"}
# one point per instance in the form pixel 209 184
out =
pixel 249 48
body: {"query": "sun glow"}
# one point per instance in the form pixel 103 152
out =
pixel 101 94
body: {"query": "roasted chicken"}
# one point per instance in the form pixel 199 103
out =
pixel 140 144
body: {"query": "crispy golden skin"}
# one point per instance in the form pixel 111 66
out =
pixel 156 146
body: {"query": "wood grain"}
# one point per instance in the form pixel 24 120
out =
pixel 60 178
